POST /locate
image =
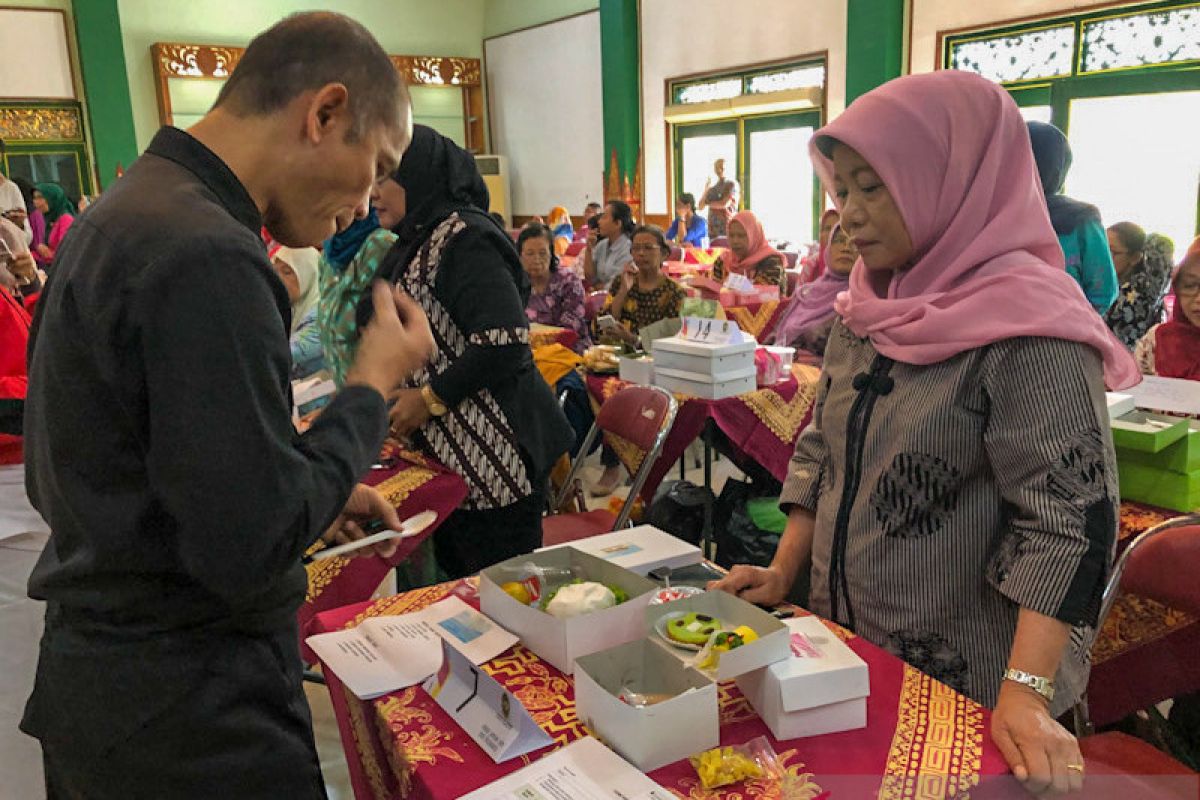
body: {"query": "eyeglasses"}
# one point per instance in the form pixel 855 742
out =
pixel 644 248
pixel 1188 289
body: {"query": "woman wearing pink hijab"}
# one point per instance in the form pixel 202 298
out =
pixel 749 254
pixel 956 492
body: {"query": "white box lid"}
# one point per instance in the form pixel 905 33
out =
pixel 639 549
pixel 675 344
pixel 820 669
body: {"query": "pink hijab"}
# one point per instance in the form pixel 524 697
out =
pixel 955 155
pixel 758 247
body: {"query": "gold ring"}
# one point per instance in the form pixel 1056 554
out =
pixel 1077 767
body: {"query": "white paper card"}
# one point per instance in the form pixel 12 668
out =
pixel 384 654
pixel 1172 395
pixel 583 770
pixel 710 331
pixel 739 283
pixel 489 713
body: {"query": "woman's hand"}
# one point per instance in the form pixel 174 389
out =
pixel 22 268
pixel 45 252
pixel 408 413
pixel 364 505
pixel 1040 751
pixel 765 586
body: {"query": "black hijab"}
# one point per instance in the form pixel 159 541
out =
pixel 440 179
pixel 1052 152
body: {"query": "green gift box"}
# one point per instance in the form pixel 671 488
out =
pixel 1144 432
pixel 1159 487
pixel 1180 457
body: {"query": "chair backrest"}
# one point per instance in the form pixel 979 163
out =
pixel 720 241
pixel 576 247
pixel 793 281
pixel 640 417
pixel 676 253
pixel 593 303
pixel 1163 568
pixel 1155 565
pixel 791 258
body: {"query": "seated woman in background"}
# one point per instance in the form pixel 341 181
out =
pixel 1143 265
pixel 641 295
pixel 557 295
pixel 1172 349
pixel 480 406
pixel 297 268
pixel 348 264
pixel 809 317
pixel 814 267
pixel 59 213
pixel 607 250
pixel 688 228
pixel 750 255
pixel 941 464
pixel 559 222
pixel 1077 224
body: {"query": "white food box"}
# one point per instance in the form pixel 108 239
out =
pixel 710 387
pixel 658 734
pixel 822 687
pixel 561 641
pixel 689 722
pixel 637 369
pixel 1119 404
pixel 708 359
pixel 642 549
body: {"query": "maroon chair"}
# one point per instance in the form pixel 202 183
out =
pixel 720 241
pixel 1159 565
pixel 793 281
pixel 640 417
pixel 593 304
pixel 576 247
pixel 676 253
pixel 790 258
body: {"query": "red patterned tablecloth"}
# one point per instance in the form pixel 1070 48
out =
pixel 1146 652
pixel 759 319
pixel 413 485
pixel 762 425
pixel 922 739
pixel 549 334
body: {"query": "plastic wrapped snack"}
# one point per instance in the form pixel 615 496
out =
pixel 725 766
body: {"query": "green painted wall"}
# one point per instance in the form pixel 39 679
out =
pixel 102 62
pixel 619 67
pixel 502 16
pixel 875 36
pixel 412 27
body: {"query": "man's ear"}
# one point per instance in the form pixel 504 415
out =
pixel 327 111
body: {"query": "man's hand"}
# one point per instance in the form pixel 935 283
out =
pixel 365 504
pixel 396 343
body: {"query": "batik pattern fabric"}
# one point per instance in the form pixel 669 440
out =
pixel 341 292
pixel 475 438
pixel 768 272
pixel 1139 304
pixel 972 488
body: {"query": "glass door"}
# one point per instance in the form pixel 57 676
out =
pixel 779 178
pixel 696 148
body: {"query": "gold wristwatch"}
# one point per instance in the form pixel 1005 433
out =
pixel 434 403
pixel 1043 686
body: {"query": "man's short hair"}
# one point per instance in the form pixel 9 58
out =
pixel 306 51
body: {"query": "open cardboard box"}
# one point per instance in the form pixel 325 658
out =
pixel 1182 457
pixel 686 723
pixel 822 687
pixel 561 641
pixel 771 645
pixel 657 734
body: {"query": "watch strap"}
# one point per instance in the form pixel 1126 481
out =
pixel 1043 686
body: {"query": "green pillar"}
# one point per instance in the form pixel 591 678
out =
pixel 620 75
pixel 105 86
pixel 875 34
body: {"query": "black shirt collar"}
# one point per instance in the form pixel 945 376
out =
pixel 187 151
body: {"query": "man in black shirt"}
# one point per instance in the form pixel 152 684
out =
pixel 159 443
